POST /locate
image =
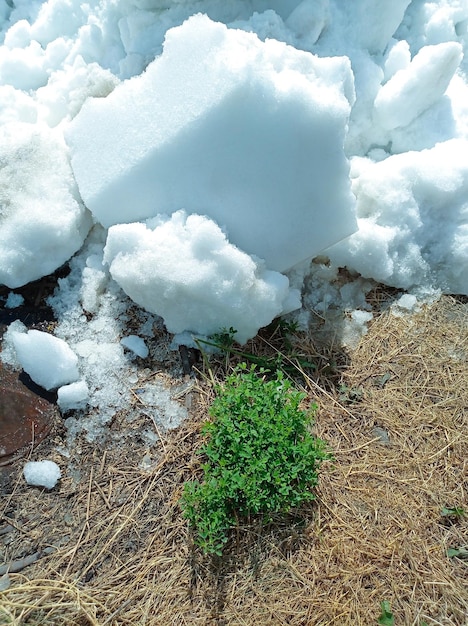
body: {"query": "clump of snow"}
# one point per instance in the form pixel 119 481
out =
pixel 73 396
pixel 406 304
pixel 260 152
pixel 13 300
pixel 355 327
pixel 42 473
pixel 8 353
pixel 136 345
pixel 48 360
pixel 417 87
pixel 413 220
pixel 184 269
pixel 42 220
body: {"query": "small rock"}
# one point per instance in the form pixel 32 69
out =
pixel 382 434
pixel 25 417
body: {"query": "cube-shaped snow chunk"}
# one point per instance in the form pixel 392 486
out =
pixel 249 133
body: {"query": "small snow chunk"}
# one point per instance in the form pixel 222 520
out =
pixel 8 352
pixel 203 129
pixel 73 396
pixel 412 90
pixel 48 360
pixel 14 300
pixel 184 269
pixel 136 345
pixel 42 473
pixel 407 303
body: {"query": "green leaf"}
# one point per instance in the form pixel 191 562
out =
pixel 452 511
pixel 386 617
pixel 460 553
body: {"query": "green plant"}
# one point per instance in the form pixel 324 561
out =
pixel 225 342
pixel 460 553
pixel 260 456
pixel 348 395
pixel 454 512
pixel 386 617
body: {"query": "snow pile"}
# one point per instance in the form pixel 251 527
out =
pixel 216 144
pixel 258 151
pixel 184 269
pixel 413 220
pixel 42 473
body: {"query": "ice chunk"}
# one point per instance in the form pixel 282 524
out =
pixel 42 473
pixel 364 24
pixel 136 345
pixel 398 58
pixel 405 305
pixel 48 360
pixel 42 221
pixel 413 90
pixel 73 396
pixel 185 270
pixel 247 132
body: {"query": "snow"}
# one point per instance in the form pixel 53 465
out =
pixel 413 220
pixel 187 158
pixel 42 473
pixel 414 89
pixel 73 396
pixel 197 277
pixel 42 221
pixel 48 360
pixel 241 148
pixel 136 345
pixel 13 300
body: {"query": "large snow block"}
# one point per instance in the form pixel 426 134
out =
pixel 249 133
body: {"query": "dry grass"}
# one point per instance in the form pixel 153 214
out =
pixel 124 556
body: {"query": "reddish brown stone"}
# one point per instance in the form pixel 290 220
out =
pixel 25 418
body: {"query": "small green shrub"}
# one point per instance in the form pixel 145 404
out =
pixel 260 456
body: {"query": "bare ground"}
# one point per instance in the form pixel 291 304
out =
pixel 113 548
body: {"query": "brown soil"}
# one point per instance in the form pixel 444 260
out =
pixel 114 549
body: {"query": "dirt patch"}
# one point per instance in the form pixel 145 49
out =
pixel 394 412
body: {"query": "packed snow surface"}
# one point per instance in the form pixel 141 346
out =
pixel 247 132
pixel 187 154
pixel 42 473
